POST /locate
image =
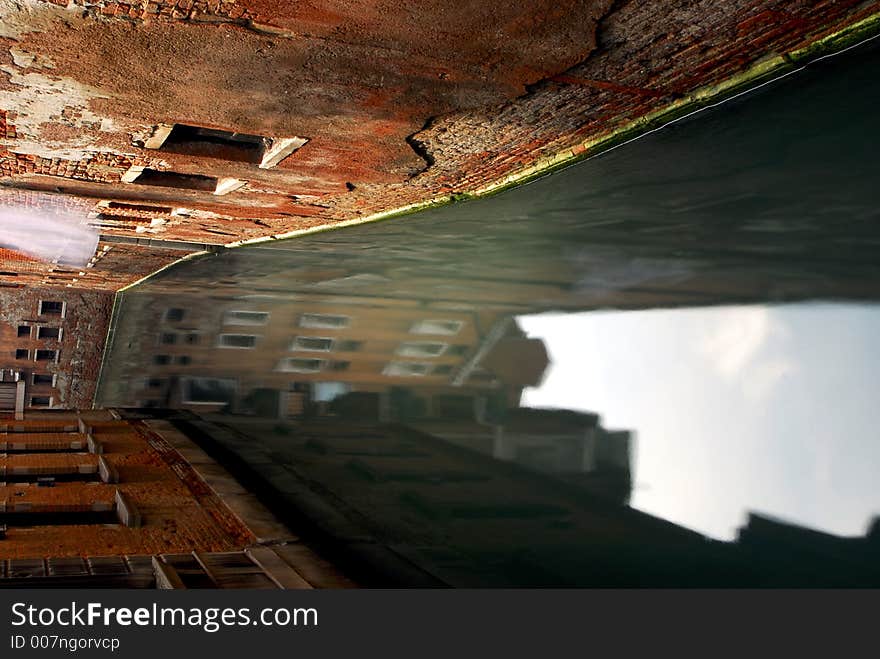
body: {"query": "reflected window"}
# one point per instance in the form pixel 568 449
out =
pixel 237 341
pixel 208 391
pixel 349 346
pixel 444 327
pixel 407 369
pixel 294 365
pixel 245 317
pixel 421 349
pixel 174 315
pixel 327 391
pixel 314 343
pixel 323 321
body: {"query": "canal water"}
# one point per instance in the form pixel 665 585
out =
pixel 656 367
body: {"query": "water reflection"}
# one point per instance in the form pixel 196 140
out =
pixel 389 385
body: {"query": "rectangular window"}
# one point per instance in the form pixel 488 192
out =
pixel 51 308
pixel 204 142
pixel 443 327
pixel 22 353
pixel 161 360
pixel 167 179
pixel 237 341
pixel 192 339
pixel 406 369
pixel 245 317
pixel 208 391
pixel 293 365
pixel 212 143
pixel 184 360
pixel 46 355
pixel 49 333
pixel 41 401
pixel 314 343
pixel 43 378
pixel 349 346
pixel 174 315
pixel 24 330
pixel 168 338
pixel 323 321
pixel 421 349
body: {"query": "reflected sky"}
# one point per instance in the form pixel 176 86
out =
pixel 767 408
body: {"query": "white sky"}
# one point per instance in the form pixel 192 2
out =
pixel 768 409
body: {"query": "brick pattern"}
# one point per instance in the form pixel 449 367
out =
pixel 7 130
pixel 635 72
pixel 168 10
pixel 176 518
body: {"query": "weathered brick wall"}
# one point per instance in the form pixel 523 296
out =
pixel 168 9
pixel 649 56
pixel 81 346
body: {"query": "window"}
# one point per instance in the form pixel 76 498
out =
pixel 208 391
pixel 202 142
pixel 339 366
pixel 192 339
pixel 210 143
pixel 46 355
pixel 21 353
pixel 458 350
pixel 245 317
pixel 421 349
pixel 48 333
pixel 184 360
pixel 294 365
pixel 444 327
pixel 174 315
pixel 318 344
pixel 442 369
pixel 51 308
pixel 168 338
pixel 323 321
pixel 24 330
pixel 406 369
pixel 43 378
pixel 237 341
pixel 41 401
pixel 349 346
pixel 155 383
pixel 166 179
pixel 161 360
